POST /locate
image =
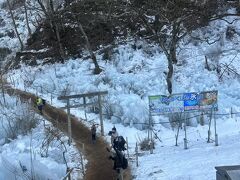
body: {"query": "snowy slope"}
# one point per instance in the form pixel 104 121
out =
pixel 28 156
pixel 133 74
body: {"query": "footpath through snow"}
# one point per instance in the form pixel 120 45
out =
pixel 99 167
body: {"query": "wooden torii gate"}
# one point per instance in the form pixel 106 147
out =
pixel 84 104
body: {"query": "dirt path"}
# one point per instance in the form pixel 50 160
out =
pixel 99 167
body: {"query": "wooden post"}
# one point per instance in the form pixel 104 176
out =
pixel 151 141
pixel 83 146
pixel 215 128
pixel 185 129
pixel 84 103
pixel 51 98
pixel 69 123
pixel 209 129
pixel 100 114
pixel 82 163
pixel 202 119
pixel 176 136
pixel 136 151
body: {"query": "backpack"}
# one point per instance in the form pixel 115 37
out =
pixel 43 101
pixel 119 143
pixel 124 163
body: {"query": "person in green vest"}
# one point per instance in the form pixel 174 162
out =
pixel 40 103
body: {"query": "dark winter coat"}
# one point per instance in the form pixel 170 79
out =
pixel 118 159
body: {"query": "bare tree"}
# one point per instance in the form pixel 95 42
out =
pixel 2 87
pixel 52 17
pixel 168 22
pixel 97 69
pixel 26 17
pixel 14 24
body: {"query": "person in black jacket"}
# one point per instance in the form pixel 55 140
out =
pixel 93 132
pixel 117 158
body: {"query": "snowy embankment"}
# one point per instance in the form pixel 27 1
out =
pixel 30 147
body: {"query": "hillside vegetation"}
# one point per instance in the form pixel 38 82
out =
pixel 69 28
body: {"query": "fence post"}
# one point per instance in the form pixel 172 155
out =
pixel 84 102
pixel 83 147
pixel 209 129
pixel 151 141
pixel 185 129
pixel 69 123
pixel 51 98
pixel 136 151
pixel 215 128
pixel 202 119
pixel 100 114
pixel 82 163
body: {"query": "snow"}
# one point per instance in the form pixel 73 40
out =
pixel 130 77
pixel 127 97
pixel 28 149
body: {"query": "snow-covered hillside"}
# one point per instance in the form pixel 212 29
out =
pixel 130 76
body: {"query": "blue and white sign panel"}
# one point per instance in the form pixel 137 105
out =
pixel 191 101
pixel 161 104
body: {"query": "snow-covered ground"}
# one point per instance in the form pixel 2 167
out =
pixel 36 153
pixel 128 99
pixel 130 77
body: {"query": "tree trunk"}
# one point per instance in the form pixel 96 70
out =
pixel 206 64
pixel 172 53
pixel 169 74
pixel 61 50
pixel 173 45
pixel 97 69
pixel 2 86
pixel 53 21
pixel 14 24
pixel 27 21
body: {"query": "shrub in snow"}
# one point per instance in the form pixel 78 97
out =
pixel 145 143
pixel 230 32
pixel 16 117
pixel 176 119
pixel 112 112
pixel 53 137
pixel 4 52
pixel 128 110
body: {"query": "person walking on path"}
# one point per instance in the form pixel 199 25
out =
pixel 114 135
pixel 40 103
pixel 93 132
pixel 117 158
